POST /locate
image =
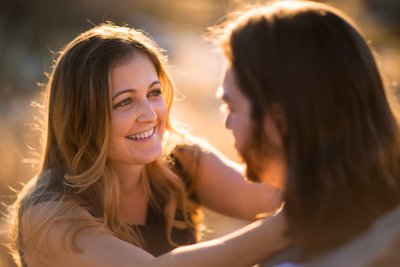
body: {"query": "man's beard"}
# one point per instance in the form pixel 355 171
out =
pixel 257 152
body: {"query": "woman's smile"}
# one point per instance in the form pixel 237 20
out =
pixel 142 136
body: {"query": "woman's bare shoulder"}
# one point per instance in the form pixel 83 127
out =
pixel 42 212
pixel 94 245
pixel 47 231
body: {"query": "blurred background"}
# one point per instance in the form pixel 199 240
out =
pixel 30 31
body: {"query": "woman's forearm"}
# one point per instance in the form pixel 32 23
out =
pixel 244 247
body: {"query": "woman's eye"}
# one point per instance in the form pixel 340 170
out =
pixel 123 102
pixel 155 92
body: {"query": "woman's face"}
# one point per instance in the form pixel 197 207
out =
pixel 139 113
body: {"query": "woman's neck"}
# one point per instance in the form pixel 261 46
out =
pixel 133 196
pixel 129 178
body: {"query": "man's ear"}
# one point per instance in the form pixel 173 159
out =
pixel 275 125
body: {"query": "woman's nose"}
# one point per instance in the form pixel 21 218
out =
pixel 147 113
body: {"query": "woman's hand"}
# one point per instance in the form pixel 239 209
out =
pixel 219 183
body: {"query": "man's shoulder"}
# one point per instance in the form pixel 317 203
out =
pixel 368 247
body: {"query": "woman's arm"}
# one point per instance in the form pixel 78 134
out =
pixel 220 185
pixel 244 247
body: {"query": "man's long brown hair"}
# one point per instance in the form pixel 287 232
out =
pixel 341 141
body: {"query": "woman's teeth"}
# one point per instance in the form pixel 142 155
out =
pixel 142 135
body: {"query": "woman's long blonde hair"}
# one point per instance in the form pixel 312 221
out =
pixel 74 170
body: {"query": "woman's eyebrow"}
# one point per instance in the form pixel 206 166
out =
pixel 129 90
pixel 154 83
pixel 133 90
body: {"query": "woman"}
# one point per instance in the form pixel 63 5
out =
pixel 306 84
pixel 109 191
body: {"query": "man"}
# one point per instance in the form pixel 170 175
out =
pixel 308 110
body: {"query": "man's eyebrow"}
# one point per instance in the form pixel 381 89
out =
pixel 129 90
